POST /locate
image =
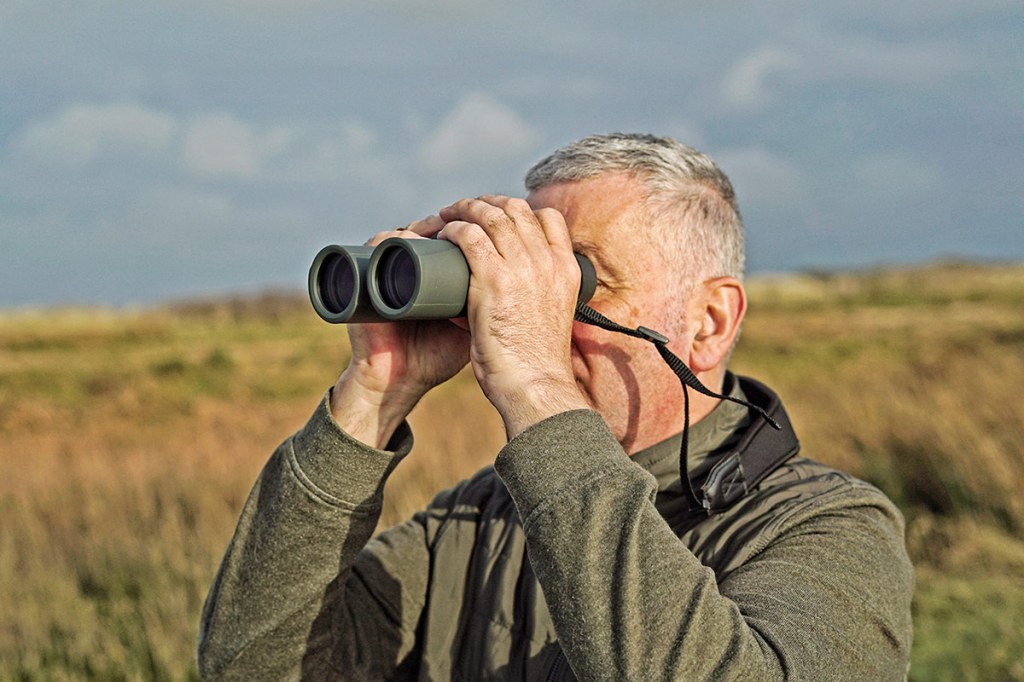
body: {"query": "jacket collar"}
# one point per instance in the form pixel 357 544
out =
pixel 730 452
pixel 709 439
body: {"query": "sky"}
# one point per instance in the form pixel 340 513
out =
pixel 153 151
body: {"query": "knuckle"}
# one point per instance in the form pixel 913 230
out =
pixel 518 206
pixel 470 237
pixel 452 229
pixel 381 236
pixel 548 214
pixel 495 219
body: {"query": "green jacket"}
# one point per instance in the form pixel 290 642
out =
pixel 565 545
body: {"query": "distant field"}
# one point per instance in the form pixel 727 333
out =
pixel 130 439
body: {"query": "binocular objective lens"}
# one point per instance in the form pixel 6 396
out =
pixel 337 283
pixel 398 278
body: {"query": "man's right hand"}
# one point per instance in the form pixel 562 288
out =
pixel 395 363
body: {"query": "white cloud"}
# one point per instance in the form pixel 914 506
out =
pixel 83 133
pixel 332 154
pixel 824 58
pixel 479 129
pixel 358 136
pixel 221 145
pixel 209 146
pixel 746 84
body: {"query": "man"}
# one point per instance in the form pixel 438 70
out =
pixel 582 552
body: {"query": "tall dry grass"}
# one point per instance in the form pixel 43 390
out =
pixel 128 441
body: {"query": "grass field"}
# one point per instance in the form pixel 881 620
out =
pixel 128 441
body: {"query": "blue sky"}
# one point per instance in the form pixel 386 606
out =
pixel 160 150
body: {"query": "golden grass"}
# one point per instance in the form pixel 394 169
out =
pixel 130 439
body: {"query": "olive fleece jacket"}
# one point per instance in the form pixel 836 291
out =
pixel 566 551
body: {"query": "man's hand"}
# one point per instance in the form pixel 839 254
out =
pixel 522 293
pixel 395 363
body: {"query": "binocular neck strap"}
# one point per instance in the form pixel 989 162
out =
pixel 687 378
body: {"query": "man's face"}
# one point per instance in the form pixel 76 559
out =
pixel 623 378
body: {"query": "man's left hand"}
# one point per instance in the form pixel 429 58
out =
pixel 522 294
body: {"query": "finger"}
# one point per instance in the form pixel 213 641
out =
pixel 543 232
pixel 474 243
pixel 499 226
pixel 556 232
pixel 559 242
pixel 428 227
pixel 401 233
pixel 528 225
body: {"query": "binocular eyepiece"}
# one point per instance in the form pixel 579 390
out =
pixel 400 279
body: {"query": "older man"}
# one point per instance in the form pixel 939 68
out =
pixel 582 551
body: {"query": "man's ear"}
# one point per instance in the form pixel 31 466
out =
pixel 716 320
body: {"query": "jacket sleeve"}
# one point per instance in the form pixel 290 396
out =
pixel 827 597
pixel 301 566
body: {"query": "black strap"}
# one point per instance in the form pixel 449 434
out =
pixel 687 378
pixel 758 453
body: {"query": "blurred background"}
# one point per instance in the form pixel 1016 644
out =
pixel 168 170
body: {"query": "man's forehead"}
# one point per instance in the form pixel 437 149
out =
pixel 604 215
pixel 597 210
pixel 605 193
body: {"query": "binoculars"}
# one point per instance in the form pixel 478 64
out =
pixel 400 279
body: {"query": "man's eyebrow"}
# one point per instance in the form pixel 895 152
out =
pixel 597 257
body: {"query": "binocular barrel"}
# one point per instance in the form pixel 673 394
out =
pixel 400 279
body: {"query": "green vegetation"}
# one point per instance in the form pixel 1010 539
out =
pixel 130 439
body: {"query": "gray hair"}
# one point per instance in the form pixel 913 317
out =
pixel 687 194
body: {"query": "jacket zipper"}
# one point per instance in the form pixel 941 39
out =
pixel 557 667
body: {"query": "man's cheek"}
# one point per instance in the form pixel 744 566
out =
pixel 586 338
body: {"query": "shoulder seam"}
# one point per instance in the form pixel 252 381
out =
pixel 846 483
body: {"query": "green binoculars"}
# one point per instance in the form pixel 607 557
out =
pixel 400 279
